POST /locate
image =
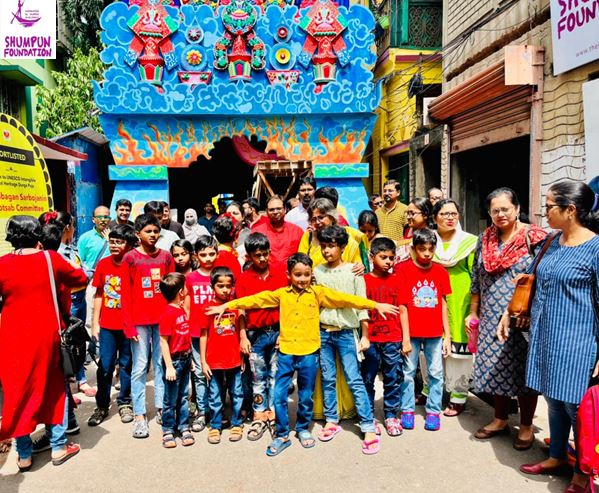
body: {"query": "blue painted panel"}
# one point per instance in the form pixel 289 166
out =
pixel 139 192
pixel 359 170
pixel 352 197
pixel 137 173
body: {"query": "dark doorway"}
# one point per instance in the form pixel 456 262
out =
pixel 478 172
pixel 205 178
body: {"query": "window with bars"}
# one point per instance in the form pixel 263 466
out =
pixel 10 98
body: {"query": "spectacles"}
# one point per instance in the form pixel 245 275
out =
pixel 275 209
pixel 378 203
pixel 506 211
pixel 413 213
pixel 102 218
pixel 317 219
pixel 548 207
pixel 447 215
pixel 117 242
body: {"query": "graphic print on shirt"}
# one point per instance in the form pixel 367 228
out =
pixel 201 294
pixel 425 295
pixel 112 292
pixel 226 324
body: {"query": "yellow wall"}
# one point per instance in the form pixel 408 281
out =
pixel 397 118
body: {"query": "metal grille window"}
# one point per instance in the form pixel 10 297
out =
pixel 425 24
pixel 10 98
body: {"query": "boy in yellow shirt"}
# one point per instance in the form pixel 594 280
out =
pixel 299 340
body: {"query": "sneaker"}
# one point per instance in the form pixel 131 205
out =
pixel 72 428
pixel 198 424
pixel 432 422
pixel 126 413
pixel 159 417
pixel 97 416
pixel 407 420
pixel 41 444
pixel 141 429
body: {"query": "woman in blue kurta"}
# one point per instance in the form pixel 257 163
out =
pixel 564 330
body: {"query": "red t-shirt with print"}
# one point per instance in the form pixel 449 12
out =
pixel 222 348
pixel 228 258
pixel 424 289
pixel 175 325
pixel 143 302
pixel 108 280
pixel 200 294
pixel 384 290
pixel 250 282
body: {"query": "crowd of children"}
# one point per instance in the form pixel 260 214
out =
pixel 203 322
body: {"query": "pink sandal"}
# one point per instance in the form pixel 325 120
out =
pixel 327 434
pixel 371 447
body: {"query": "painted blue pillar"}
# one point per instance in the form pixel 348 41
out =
pixel 347 179
pixel 139 184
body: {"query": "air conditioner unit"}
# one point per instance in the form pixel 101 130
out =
pixel 426 121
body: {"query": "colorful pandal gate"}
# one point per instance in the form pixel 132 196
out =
pixel 181 77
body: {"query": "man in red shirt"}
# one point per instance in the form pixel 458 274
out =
pixel 284 237
pixel 263 331
pixel 251 212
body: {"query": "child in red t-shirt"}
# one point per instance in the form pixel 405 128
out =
pixel 143 306
pixel 221 344
pixel 385 334
pixel 108 326
pixel 199 294
pixel 175 344
pixel 425 284
pixel 263 331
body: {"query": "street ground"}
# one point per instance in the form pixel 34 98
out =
pixel 446 461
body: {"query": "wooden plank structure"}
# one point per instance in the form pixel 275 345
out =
pixel 277 169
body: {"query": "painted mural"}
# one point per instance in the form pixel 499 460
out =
pixel 184 75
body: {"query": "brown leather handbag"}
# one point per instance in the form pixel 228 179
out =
pixel 519 307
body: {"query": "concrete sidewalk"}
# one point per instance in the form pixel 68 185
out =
pixel 449 460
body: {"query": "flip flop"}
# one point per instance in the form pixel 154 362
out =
pixel 454 409
pixel 72 449
pixel 327 434
pixel 371 447
pixel 306 439
pixel 277 446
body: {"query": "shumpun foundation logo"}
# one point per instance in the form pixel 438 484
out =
pixel 28 29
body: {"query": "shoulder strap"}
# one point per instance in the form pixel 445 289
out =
pixel 53 287
pixel 527 239
pixel 100 255
pixel 538 258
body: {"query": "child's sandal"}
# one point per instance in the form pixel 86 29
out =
pixel 168 440
pixel 187 438
pixel 256 430
pixel 213 436
pixel 277 446
pixel 236 433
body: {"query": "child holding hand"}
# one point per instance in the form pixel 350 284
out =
pixel 425 285
pixel 175 344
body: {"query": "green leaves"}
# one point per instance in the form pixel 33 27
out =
pixel 70 105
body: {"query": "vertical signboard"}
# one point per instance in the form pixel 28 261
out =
pixel 28 29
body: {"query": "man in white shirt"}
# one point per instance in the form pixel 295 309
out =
pixel 299 215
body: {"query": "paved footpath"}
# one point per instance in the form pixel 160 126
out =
pixel 446 461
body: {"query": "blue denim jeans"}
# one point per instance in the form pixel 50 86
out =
pixel 433 353
pixel 56 434
pixel 79 310
pixel 221 381
pixel 149 341
pixel 263 362
pixel 175 409
pixel 562 418
pixel 387 357
pixel 342 342
pixel 113 343
pixel 306 367
pixel 198 377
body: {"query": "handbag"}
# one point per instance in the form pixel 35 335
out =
pixel 520 304
pixel 74 338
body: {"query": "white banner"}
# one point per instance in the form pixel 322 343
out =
pixel 575 33
pixel 28 29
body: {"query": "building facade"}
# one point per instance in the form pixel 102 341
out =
pixel 507 117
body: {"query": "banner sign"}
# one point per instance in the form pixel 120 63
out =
pixel 575 33
pixel 24 180
pixel 28 29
